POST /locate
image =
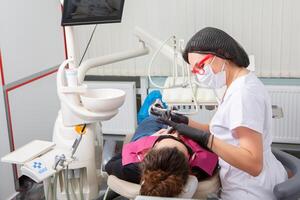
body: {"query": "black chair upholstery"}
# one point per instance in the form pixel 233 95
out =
pixel 290 189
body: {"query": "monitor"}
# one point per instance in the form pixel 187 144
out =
pixel 82 12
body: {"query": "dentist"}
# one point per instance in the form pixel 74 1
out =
pixel 240 131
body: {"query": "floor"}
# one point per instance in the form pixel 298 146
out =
pixel 30 190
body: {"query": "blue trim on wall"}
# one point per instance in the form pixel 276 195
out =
pixel 281 81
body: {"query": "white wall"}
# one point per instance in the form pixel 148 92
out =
pixel 30 37
pixel 6 173
pixel 34 116
pixel 32 46
pixel 268 29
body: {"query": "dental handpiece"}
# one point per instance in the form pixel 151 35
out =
pixel 75 145
pixel 157 110
pixel 59 160
pixel 77 140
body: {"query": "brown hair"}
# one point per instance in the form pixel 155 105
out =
pixel 165 172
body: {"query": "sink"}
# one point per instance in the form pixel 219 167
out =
pixel 102 100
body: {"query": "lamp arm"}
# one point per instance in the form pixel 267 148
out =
pixel 109 59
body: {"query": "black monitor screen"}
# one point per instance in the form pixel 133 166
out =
pixel 80 12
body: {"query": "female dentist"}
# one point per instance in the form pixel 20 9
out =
pixel 240 131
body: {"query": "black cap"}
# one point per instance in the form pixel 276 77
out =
pixel 215 41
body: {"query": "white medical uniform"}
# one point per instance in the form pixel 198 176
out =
pixel 247 104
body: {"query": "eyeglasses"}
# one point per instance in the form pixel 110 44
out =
pixel 199 66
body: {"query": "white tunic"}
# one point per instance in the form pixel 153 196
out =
pixel 247 104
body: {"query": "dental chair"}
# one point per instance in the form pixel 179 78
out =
pixel 193 188
pixel 290 189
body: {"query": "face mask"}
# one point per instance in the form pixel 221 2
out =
pixel 210 79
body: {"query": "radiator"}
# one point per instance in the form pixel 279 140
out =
pixel 286 129
pixel 125 121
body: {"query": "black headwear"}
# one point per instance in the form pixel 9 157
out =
pixel 215 41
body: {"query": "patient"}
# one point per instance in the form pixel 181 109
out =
pixel 161 162
pixel 165 172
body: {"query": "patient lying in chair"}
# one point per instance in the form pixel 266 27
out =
pixel 161 162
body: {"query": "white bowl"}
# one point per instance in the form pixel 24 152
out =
pixel 103 100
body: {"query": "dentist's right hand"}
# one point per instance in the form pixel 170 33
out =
pixel 199 136
pixel 157 110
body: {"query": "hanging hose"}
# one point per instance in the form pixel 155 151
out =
pixel 49 189
pixel 72 190
pixel 54 187
pixel 219 100
pixel 151 63
pixel 88 44
pixel 184 70
pixel 66 183
pixel 195 102
pixel 72 185
pixel 175 75
pixel 81 184
pixel 106 192
pixel 193 95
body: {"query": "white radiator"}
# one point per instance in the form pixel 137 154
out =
pixel 286 129
pixel 125 121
